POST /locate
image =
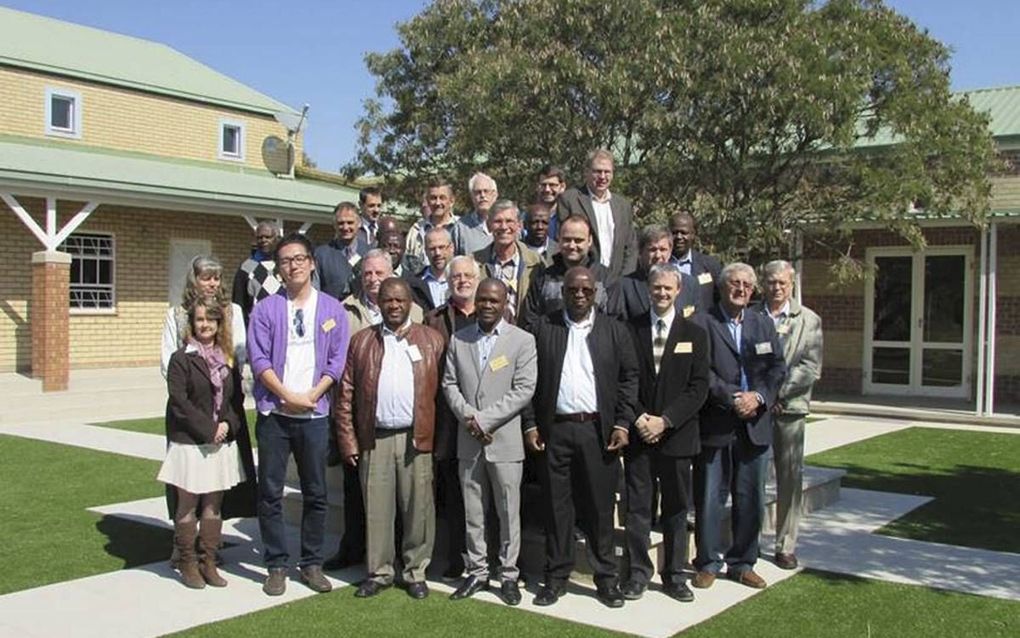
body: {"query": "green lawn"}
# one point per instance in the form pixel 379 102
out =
pixel 45 531
pixel 157 425
pixel 974 478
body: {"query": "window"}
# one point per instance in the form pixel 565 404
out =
pixel 63 112
pixel 92 265
pixel 231 140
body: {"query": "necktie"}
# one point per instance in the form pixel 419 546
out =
pixel 659 343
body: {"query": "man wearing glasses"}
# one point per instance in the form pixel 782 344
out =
pixel 297 347
pixel 747 370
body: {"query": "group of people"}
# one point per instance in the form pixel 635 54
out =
pixel 441 367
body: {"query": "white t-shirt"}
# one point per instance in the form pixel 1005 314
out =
pixel 299 368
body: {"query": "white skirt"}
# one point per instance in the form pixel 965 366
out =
pixel 201 469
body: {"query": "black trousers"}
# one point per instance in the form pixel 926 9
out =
pixel 352 543
pixel 579 474
pixel 643 469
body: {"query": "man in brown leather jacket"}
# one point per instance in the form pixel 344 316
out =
pixel 385 429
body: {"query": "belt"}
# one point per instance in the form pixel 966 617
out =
pixel 578 417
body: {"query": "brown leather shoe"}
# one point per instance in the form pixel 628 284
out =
pixel 703 580
pixel 312 576
pixel 748 578
pixel 786 561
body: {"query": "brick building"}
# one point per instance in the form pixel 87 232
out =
pixel 942 323
pixel 120 159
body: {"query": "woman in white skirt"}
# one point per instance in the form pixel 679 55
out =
pixel 209 451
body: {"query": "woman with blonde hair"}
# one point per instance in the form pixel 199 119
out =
pixel 209 449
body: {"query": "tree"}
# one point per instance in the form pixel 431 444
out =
pixel 765 117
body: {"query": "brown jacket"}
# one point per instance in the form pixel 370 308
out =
pixel 354 412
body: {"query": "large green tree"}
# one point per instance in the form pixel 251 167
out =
pixel 765 117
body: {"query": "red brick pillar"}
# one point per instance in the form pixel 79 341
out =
pixel 49 315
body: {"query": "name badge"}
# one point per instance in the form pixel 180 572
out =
pixel 705 278
pixel 783 329
pixel 328 325
pixel 414 353
pixel 353 261
pixel 499 363
pixel 763 348
pixel 683 347
pixel 688 311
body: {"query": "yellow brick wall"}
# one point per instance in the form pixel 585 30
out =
pixel 131 336
pixel 128 120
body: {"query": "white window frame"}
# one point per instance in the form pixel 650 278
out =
pixel 76 109
pixel 110 287
pixel 239 156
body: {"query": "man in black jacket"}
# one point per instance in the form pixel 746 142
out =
pixel 583 409
pixel 704 268
pixel 673 361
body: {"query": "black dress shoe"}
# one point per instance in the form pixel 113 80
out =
pixel 343 559
pixel 678 591
pixel 510 592
pixel 471 586
pixel 418 590
pixel 633 590
pixel 549 594
pixel 609 595
pixel 369 588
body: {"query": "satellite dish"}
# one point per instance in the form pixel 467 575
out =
pixel 278 155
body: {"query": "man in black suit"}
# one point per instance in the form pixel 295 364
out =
pixel 584 405
pixel 610 215
pixel 673 362
pixel 746 373
pixel 628 297
pixel 335 262
pixel 704 268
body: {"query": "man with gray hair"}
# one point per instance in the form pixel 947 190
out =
pixel 471 232
pixel 257 278
pixel 507 258
pixel 747 369
pixel 800 334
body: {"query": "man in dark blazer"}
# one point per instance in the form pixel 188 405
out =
pixel 336 261
pixel 628 296
pixel 610 215
pixel 746 373
pixel 704 268
pixel 583 409
pixel 673 360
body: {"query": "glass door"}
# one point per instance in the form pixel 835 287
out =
pixel 918 323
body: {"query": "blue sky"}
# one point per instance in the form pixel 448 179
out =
pixel 311 51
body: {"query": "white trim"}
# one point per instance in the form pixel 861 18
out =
pixel 74 97
pixel 50 238
pixel 993 262
pixel 979 402
pixel 241 139
pixel 916 345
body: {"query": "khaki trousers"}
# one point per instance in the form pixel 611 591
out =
pixel 788 454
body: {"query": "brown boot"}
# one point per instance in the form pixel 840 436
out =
pixel 184 539
pixel 209 534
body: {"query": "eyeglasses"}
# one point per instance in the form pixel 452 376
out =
pixel 746 285
pixel 584 290
pixel 296 260
pixel 299 321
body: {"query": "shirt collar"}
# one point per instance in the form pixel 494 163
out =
pixel 516 259
pixel 785 310
pixel 583 324
pixel 429 276
pixel 399 332
pixel 496 330
pixel 667 318
pixel 605 198
pixel 730 320
pixel 685 257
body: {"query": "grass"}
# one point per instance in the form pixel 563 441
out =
pixel 45 531
pixel 157 425
pixel 834 606
pixel 974 478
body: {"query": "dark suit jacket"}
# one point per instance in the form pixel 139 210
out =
pixel 419 291
pixel 616 373
pixel 702 264
pixel 334 275
pixel 678 391
pixel 577 201
pixel 628 296
pixel 761 357
pixel 444 321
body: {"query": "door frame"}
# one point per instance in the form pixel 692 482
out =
pixel 916 344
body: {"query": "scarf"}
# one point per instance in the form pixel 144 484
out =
pixel 218 371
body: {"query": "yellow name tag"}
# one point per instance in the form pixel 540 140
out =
pixel 763 348
pixel 328 325
pixel 688 311
pixel 498 363
pixel 683 347
pixel 705 278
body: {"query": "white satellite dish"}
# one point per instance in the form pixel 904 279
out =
pixel 272 154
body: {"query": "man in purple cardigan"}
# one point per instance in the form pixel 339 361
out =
pixel 297 346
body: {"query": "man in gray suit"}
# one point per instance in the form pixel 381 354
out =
pixel 800 334
pixel 491 372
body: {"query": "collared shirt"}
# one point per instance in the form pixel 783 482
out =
pixel 394 408
pixel 683 263
pixel 783 313
pixel 299 367
pixel 666 319
pixel 506 271
pixel 736 328
pixel 486 340
pixel 606 226
pixel 372 312
pixel 438 287
pixel 577 382
pixel 368 230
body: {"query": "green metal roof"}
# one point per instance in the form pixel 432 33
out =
pixel 52 46
pixel 86 173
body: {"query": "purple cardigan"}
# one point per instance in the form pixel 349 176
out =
pixel 267 345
